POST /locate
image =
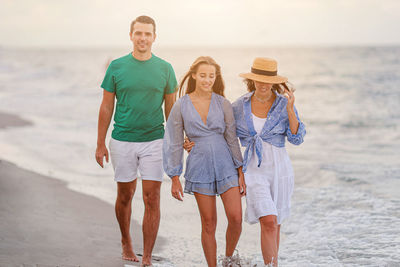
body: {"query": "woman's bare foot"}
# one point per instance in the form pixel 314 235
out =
pixel 127 252
pixel 146 261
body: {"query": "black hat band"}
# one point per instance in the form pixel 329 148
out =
pixel 264 72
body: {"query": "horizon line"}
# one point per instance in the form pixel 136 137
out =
pixel 155 46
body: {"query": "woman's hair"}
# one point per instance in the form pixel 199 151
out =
pixel 218 86
pixel 279 88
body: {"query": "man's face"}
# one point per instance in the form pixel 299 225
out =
pixel 142 36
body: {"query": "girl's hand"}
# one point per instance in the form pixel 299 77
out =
pixel 188 145
pixel 242 184
pixel 176 188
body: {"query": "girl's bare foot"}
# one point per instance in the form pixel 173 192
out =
pixel 127 253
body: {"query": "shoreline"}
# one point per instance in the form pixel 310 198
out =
pixel 8 120
pixel 44 222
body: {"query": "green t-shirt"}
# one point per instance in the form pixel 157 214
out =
pixel 139 87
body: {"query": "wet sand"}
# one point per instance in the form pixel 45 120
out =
pixel 43 222
pixel 11 120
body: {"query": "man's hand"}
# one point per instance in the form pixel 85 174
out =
pixel 105 115
pixel 101 152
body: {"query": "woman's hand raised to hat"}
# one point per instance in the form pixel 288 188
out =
pixel 293 122
pixel 290 97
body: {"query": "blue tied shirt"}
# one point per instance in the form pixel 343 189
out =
pixel 274 131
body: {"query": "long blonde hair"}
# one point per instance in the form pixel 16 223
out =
pixel 218 86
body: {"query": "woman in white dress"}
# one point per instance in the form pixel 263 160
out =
pixel 265 117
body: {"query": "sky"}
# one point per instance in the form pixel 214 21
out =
pixel 88 23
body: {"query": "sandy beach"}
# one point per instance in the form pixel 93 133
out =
pixel 43 222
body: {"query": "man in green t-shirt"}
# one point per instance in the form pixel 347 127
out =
pixel 140 82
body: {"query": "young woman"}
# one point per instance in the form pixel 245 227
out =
pixel 264 118
pixel 214 165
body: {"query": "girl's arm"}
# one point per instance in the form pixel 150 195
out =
pixel 173 141
pixel 230 134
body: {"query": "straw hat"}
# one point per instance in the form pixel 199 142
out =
pixel 264 70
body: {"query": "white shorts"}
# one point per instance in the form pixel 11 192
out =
pixel 128 157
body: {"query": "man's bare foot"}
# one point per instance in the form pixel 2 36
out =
pixel 128 254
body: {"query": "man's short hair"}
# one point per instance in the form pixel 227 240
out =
pixel 146 20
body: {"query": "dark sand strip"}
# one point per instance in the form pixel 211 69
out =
pixel 11 120
pixel 43 222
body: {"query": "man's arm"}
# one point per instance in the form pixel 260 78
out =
pixel 169 102
pixel 105 114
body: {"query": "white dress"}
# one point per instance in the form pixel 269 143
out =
pixel 270 186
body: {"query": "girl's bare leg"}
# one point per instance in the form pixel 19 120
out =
pixel 233 209
pixel 208 214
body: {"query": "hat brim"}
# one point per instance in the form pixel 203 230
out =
pixel 264 79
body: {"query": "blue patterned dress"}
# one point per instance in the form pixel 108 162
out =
pixel 211 167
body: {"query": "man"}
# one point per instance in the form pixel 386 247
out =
pixel 140 82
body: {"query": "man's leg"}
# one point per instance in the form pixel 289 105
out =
pixel 151 218
pixel 123 212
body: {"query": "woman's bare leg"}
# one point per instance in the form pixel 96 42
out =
pixel 208 214
pixel 233 209
pixel 269 244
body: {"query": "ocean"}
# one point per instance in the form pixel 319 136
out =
pixel 346 202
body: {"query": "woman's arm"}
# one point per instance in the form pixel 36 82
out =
pixel 293 122
pixel 295 129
